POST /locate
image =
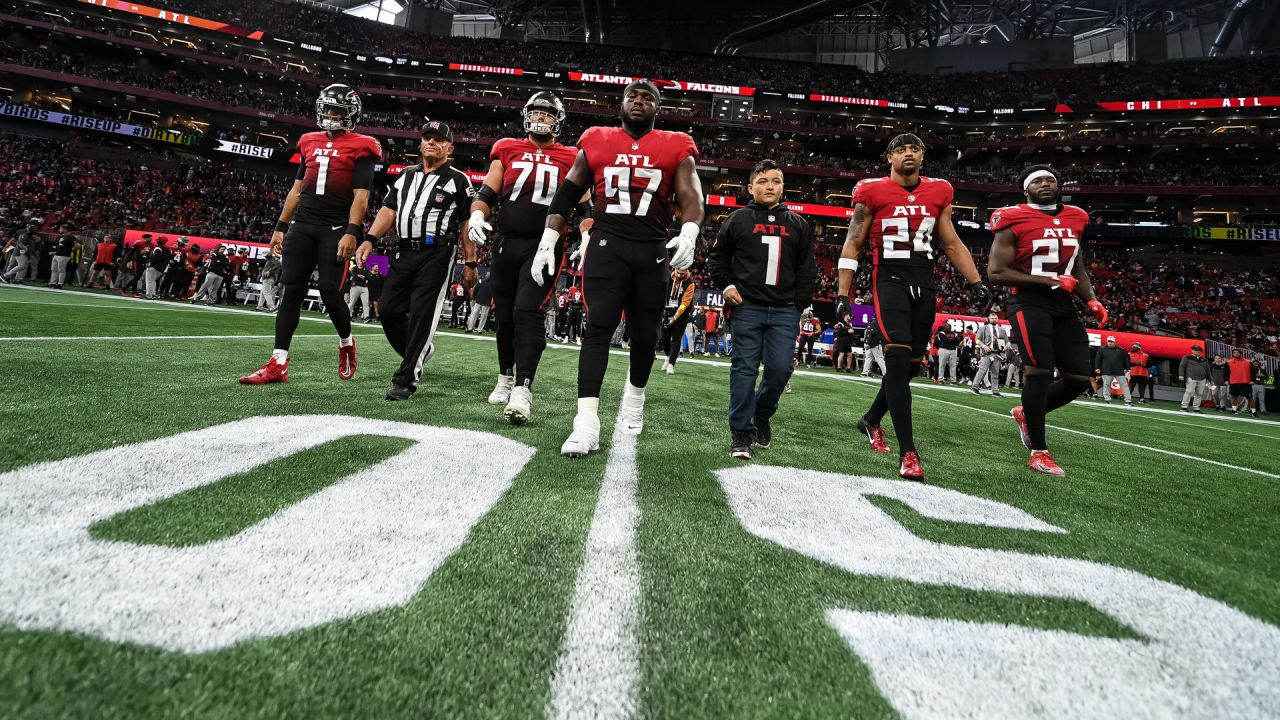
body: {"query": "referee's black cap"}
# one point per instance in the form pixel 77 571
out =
pixel 437 128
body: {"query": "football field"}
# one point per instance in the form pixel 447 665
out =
pixel 176 544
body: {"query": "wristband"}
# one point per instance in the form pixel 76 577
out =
pixel 354 229
pixel 584 209
pixel 282 226
pixel 372 239
pixel 847 264
pixel 471 264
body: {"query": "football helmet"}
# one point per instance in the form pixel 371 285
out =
pixel 545 102
pixel 342 98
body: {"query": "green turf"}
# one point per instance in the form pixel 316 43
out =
pixel 732 625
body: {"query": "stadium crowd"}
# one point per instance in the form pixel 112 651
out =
pixel 1082 84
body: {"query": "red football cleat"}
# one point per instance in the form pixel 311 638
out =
pixel 1021 418
pixel 1042 461
pixel 347 360
pixel 272 372
pixel 911 469
pixel 875 434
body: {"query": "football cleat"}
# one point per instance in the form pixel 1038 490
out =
pixel 347 360
pixel 585 436
pixel 1041 461
pixel 875 434
pixel 631 415
pixel 399 392
pixel 741 448
pixel 272 372
pixel 764 432
pixel 910 468
pixel 501 394
pixel 518 407
pixel 1020 417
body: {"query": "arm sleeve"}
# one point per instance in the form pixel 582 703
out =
pixel 362 179
pixel 721 256
pixel 302 169
pixel 806 267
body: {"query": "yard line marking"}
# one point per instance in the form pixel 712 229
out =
pixel 598 667
pixel 1194 425
pixel 1113 440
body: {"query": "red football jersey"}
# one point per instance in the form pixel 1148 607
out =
pixel 633 180
pixel 530 178
pixel 328 180
pixel 902 223
pixel 1047 245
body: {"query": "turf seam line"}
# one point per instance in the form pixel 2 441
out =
pixel 596 673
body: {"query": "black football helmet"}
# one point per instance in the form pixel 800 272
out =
pixel 548 103
pixel 342 98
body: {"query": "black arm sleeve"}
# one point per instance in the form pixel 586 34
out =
pixel 362 179
pixel 565 199
pixel 302 170
pixel 806 267
pixel 720 257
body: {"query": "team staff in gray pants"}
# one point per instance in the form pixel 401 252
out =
pixel 1194 368
pixel 270 277
pixel 947 341
pixel 987 343
pixel 1113 363
pixel 1012 363
pixel 873 350
pixel 1219 387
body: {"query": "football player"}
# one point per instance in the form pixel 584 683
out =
pixel 906 216
pixel 634 170
pixel 524 175
pixel 323 216
pixel 1036 252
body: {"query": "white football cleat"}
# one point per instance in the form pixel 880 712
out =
pixel 631 414
pixel 585 436
pixel 501 394
pixel 668 368
pixel 518 408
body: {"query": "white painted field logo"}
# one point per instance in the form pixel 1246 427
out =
pixel 365 543
pixel 1198 657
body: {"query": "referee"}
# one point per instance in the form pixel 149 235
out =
pixel 763 261
pixel 426 208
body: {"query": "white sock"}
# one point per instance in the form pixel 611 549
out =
pixel 633 391
pixel 281 356
pixel 346 341
pixel 589 406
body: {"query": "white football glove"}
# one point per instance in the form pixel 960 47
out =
pixel 478 228
pixel 544 261
pixel 575 257
pixel 684 243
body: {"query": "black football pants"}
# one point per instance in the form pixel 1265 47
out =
pixel 621 276
pixel 518 302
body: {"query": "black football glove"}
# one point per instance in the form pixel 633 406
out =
pixel 842 306
pixel 981 296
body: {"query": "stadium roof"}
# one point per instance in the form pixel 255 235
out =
pixel 913 23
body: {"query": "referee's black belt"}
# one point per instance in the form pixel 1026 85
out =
pixel 420 244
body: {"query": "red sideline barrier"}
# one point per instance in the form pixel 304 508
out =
pixel 257 250
pixel 1154 345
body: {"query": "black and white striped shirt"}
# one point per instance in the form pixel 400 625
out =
pixel 430 205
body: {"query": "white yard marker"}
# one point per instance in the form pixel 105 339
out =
pixel 596 673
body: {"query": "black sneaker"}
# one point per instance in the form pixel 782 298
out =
pixel 399 393
pixel 741 444
pixel 975 390
pixel 764 433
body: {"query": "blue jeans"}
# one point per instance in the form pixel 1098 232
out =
pixel 760 334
